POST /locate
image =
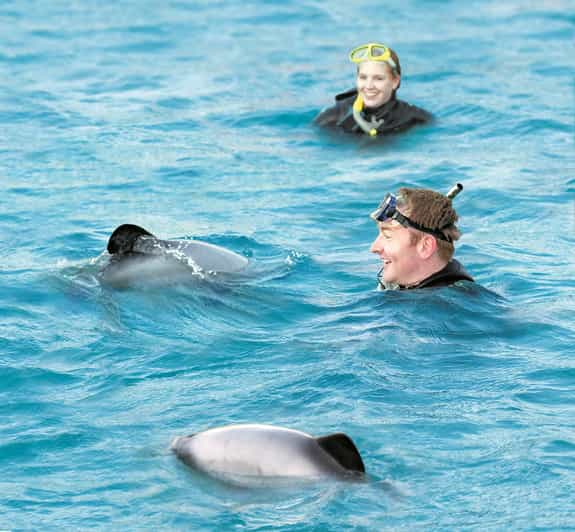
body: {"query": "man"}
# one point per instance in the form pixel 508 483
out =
pixel 415 242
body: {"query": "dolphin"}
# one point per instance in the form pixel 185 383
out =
pixel 136 253
pixel 253 454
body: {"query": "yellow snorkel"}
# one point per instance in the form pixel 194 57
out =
pixel 369 127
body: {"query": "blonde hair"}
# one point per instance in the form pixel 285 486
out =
pixel 396 61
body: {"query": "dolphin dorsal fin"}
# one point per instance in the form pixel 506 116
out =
pixel 342 449
pixel 123 238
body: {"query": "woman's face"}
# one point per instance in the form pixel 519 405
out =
pixel 375 82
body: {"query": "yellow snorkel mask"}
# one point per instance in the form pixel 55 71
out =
pixel 373 51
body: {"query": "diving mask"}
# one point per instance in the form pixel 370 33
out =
pixel 387 210
pixel 373 52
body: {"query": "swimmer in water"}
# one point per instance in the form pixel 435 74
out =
pixel 416 239
pixel 372 108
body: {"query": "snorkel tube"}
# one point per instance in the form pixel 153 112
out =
pixel 368 127
pixel 454 190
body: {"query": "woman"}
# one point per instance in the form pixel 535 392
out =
pixel 372 107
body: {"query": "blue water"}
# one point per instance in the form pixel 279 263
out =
pixel 193 119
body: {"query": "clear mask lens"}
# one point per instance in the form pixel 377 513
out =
pixel 378 51
pixel 386 209
pixel 360 54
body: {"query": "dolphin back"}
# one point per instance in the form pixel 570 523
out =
pixel 208 257
pixel 133 241
pixel 342 449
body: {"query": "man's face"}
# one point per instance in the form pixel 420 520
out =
pixel 375 82
pixel 401 260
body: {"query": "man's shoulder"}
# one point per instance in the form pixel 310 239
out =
pixel 450 274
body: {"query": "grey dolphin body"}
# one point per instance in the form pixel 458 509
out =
pixel 244 454
pixel 137 253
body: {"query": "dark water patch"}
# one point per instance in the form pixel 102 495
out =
pixel 177 174
pixel 27 191
pixel 120 85
pixel 550 395
pixel 46 34
pixel 304 80
pixel 32 446
pixel 435 76
pixel 50 411
pixel 524 127
pixel 20 379
pixel 141 47
pixel 144 29
pixel 23 59
pixel 16 313
pixel 44 116
pixel 551 15
pixel 475 361
pixel 561 447
pixel 175 103
pixel 554 71
pixel 180 125
pixel 125 185
pixel 563 34
pixel 461 311
pixel 277 119
pixel 469 111
pixel 279 19
pixel 79 74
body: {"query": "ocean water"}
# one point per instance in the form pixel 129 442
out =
pixel 193 119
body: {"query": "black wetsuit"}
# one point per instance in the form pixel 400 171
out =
pixel 397 115
pixel 451 273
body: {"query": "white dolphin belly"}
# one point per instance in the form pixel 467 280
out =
pixel 267 451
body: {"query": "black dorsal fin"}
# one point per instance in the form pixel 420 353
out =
pixel 123 238
pixel 342 449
